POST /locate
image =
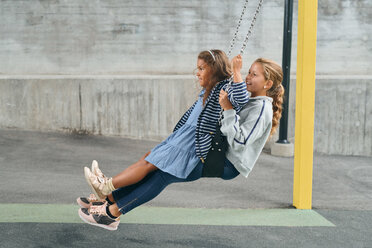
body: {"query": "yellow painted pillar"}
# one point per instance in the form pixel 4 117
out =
pixel 305 102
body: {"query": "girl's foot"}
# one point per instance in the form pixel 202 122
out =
pixel 86 202
pixel 101 186
pixel 97 216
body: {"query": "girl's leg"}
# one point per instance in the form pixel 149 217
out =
pixel 102 186
pixel 128 198
pixel 147 189
pixel 114 210
pixel 152 186
pixel 106 216
pixel 133 174
pixel 110 197
pixel 135 195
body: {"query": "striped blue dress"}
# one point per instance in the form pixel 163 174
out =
pixel 177 155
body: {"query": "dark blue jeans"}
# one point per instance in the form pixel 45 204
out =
pixel 130 197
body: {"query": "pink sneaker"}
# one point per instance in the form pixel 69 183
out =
pixel 86 202
pixel 97 216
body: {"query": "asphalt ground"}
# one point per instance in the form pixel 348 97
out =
pixel 42 175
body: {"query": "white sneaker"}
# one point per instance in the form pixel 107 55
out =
pixel 101 186
pixel 96 171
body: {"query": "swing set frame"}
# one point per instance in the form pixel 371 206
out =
pixel 305 97
pixel 305 104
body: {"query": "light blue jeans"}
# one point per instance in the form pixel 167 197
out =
pixel 130 197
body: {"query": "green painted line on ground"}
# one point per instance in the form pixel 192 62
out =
pixel 62 213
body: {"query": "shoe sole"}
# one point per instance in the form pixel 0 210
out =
pixel 96 224
pixel 86 174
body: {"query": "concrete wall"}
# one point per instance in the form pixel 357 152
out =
pixel 150 106
pixel 91 65
pixel 343 110
pixel 164 36
pixel 135 106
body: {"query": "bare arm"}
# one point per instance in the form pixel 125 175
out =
pixel 236 64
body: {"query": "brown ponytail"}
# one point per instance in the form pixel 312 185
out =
pixel 220 68
pixel 273 72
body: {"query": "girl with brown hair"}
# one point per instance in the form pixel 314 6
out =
pixel 177 157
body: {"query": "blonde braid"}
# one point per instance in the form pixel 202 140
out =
pixel 277 95
pixel 273 72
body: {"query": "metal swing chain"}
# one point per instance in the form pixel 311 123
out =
pixel 232 43
pixel 251 27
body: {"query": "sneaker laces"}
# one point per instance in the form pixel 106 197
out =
pixel 92 198
pixel 98 182
pixel 102 185
pixel 98 210
pixel 99 173
pixel 102 182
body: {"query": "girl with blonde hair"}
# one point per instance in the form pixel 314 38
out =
pixel 248 131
